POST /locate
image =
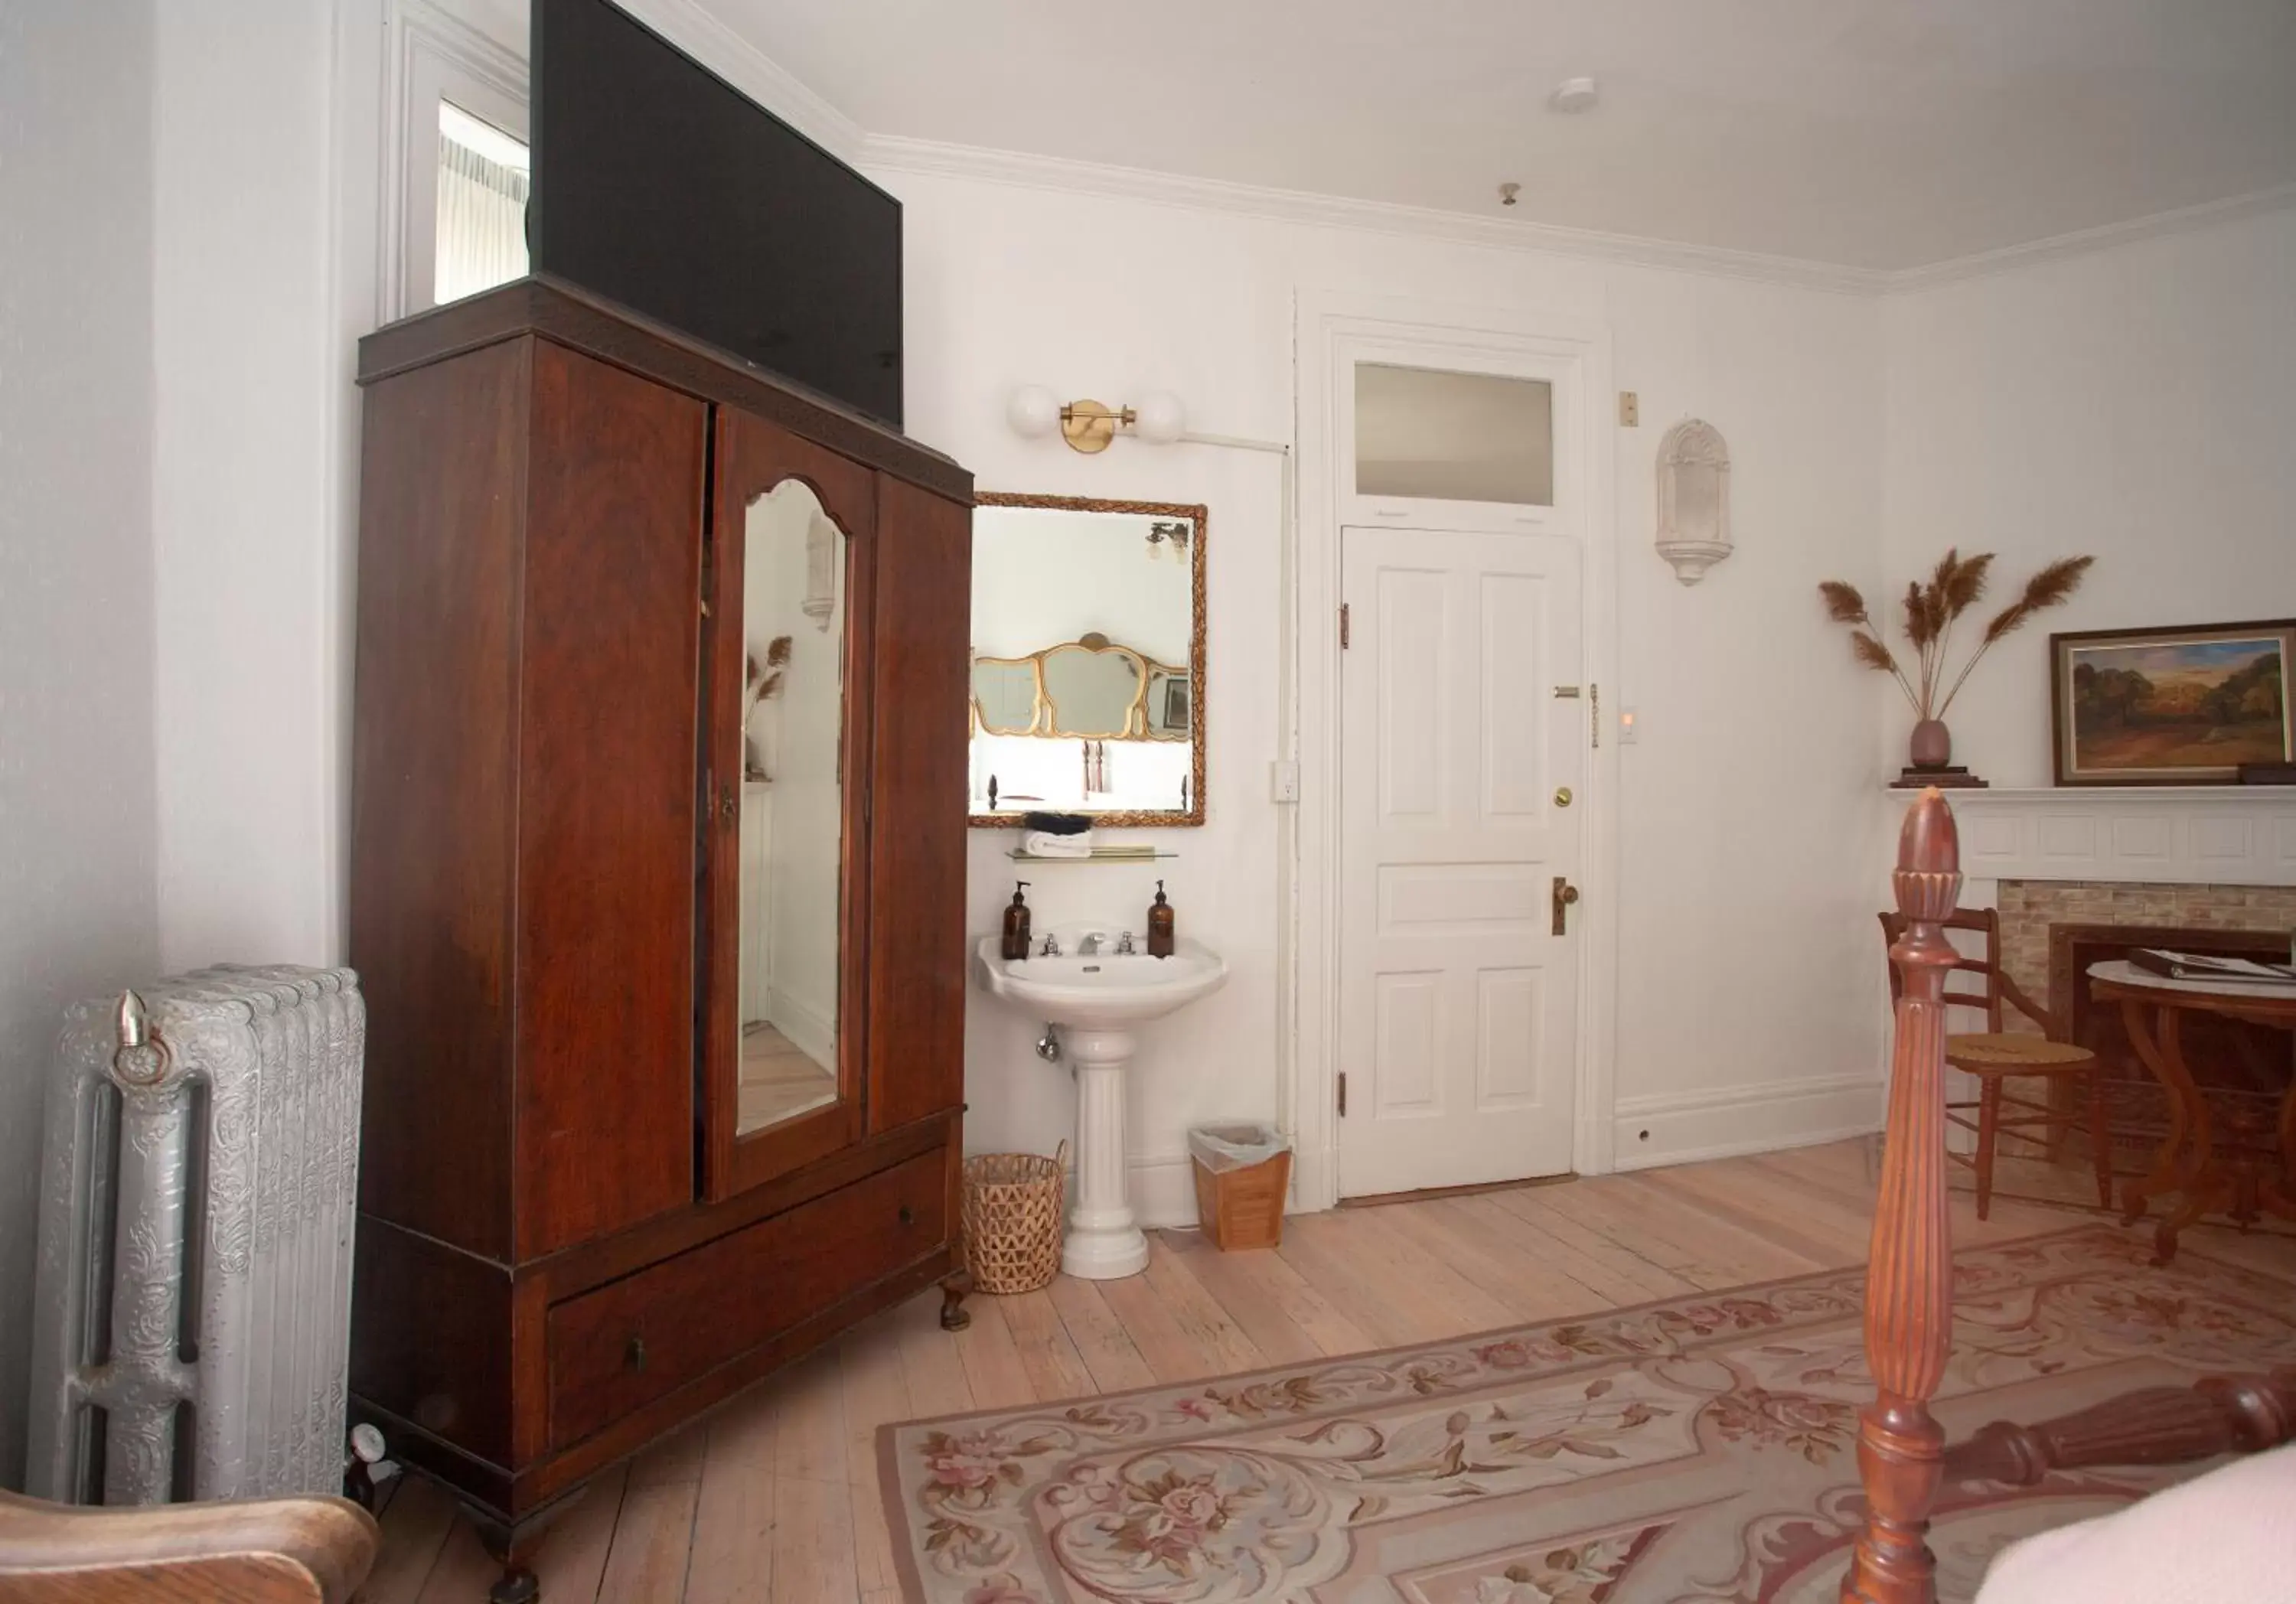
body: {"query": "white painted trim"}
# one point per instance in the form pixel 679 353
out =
pixel 1326 324
pixel 2087 242
pixel 892 153
pixel 1685 1127
pixel 430 50
pixel 2193 835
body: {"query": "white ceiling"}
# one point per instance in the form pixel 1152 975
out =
pixel 1877 134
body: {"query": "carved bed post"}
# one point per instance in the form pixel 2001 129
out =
pixel 1909 1278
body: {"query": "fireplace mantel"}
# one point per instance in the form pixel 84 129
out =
pixel 2224 835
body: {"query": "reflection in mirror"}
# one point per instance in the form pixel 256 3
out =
pixel 793 805
pixel 1088 676
pixel 1006 697
pixel 1093 690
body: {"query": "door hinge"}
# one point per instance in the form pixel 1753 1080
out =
pixel 1344 1095
pixel 1594 713
pixel 1343 626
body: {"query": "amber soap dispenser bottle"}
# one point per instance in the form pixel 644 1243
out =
pixel 1016 924
pixel 1159 925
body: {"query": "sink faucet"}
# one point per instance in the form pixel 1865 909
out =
pixel 1092 943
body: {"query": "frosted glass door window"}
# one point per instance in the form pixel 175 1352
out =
pixel 1424 433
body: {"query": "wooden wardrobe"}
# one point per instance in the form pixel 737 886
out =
pixel 581 1223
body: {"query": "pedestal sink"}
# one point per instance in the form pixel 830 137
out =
pixel 1100 998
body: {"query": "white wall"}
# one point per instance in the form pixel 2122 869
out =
pixel 2134 403
pixel 77 903
pixel 250 462
pixel 1746 817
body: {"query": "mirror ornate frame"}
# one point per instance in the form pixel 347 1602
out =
pixel 1196 668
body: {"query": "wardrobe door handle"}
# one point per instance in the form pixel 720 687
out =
pixel 633 1355
pixel 909 1214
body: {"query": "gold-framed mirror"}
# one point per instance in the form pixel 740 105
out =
pixel 1088 675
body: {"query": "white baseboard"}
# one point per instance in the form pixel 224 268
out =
pixel 1163 1192
pixel 1682 1127
pixel 808 1029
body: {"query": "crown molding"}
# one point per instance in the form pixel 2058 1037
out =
pixel 887 153
pixel 697 30
pixel 2088 241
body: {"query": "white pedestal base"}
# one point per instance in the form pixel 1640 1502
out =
pixel 1104 1242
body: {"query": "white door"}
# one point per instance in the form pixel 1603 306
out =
pixel 1458 1000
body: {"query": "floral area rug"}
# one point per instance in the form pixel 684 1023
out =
pixel 1698 1449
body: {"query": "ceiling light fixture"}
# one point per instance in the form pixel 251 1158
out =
pixel 1575 94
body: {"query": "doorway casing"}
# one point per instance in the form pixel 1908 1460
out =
pixel 1332 332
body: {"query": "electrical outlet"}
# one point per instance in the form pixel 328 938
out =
pixel 1630 410
pixel 1283 782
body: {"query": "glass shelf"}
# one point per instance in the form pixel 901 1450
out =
pixel 1018 856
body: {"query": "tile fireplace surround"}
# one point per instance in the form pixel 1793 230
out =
pixel 2077 863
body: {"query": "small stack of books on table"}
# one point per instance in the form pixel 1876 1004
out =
pixel 2217 970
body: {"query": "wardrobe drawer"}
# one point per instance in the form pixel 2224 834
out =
pixel 650 1333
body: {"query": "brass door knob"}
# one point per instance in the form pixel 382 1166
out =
pixel 1565 893
pixel 1562 795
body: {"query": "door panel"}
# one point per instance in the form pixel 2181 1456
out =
pixel 607 724
pixel 917 965
pixel 1458 1001
pixel 783 1074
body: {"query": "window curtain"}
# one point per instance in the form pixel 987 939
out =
pixel 482 222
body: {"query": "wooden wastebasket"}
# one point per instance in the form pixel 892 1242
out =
pixel 1243 1207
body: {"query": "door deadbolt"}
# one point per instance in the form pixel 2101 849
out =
pixel 1565 893
pixel 1562 795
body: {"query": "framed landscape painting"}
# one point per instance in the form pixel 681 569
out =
pixel 2170 707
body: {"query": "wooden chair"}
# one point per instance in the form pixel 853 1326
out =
pixel 273 1550
pixel 1996 1057
pixel 1902 1459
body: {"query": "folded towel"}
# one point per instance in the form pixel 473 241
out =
pixel 1058 824
pixel 1038 843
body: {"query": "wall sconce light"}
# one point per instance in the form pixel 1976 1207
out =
pixel 1087 426
pixel 1694 498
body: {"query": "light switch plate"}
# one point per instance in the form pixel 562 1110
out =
pixel 1283 782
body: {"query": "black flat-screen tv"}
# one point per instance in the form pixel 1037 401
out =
pixel 659 185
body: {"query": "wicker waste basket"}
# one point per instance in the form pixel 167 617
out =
pixel 1242 1172
pixel 1013 1219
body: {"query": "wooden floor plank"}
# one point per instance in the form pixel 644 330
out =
pixel 653 1543
pixel 812 1543
pixel 416 1520
pixel 876 1394
pixel 992 1364
pixel 571 1560
pixel 1247 1295
pixel 1101 1342
pixel 1174 1346
pixel 930 1363
pixel 1496 1248
pixel 1556 1237
pixel 1056 1370
pixel 809 1424
pixel 1209 1325
pixel 1321 1259
pixel 733 1508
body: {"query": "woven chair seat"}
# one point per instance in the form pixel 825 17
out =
pixel 2014 1054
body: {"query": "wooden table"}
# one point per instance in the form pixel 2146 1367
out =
pixel 2188 1163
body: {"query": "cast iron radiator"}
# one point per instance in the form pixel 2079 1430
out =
pixel 191 1322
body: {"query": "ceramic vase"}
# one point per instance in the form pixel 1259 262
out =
pixel 1933 745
